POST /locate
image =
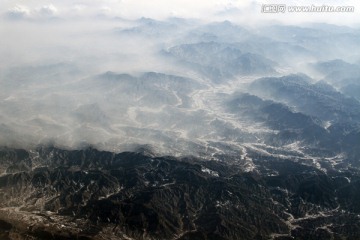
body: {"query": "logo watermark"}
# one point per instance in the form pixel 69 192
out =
pixel 282 8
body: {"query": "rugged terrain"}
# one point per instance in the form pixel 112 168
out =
pixel 179 129
pixel 50 193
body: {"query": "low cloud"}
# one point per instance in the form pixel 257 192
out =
pixel 18 12
pixel 207 10
pixel 28 13
pixel 47 11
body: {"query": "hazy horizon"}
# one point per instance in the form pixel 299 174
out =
pixel 57 59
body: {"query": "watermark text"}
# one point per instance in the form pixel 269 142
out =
pixel 282 8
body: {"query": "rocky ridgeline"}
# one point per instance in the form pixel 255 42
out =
pixel 50 193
